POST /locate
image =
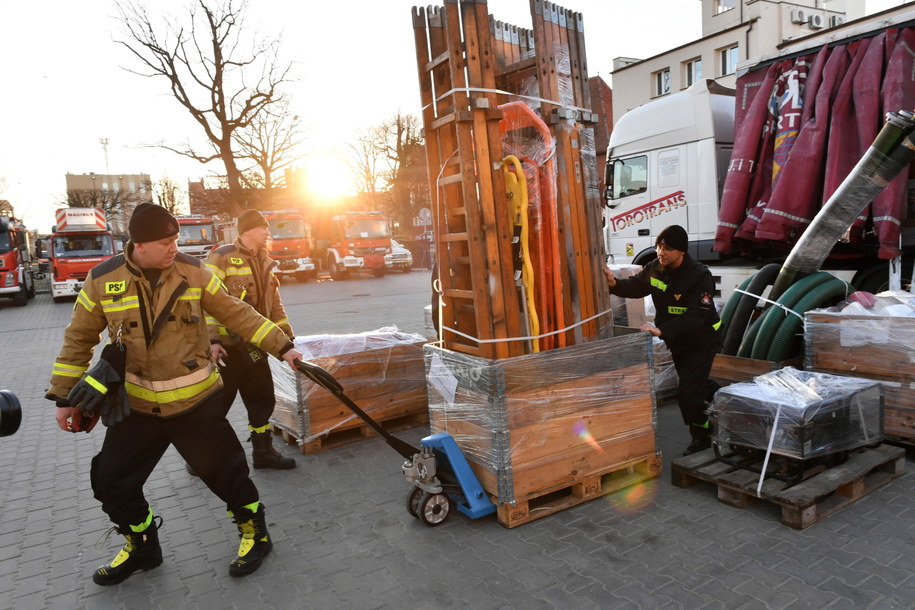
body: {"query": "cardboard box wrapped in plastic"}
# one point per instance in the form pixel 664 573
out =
pixel 382 371
pixel 545 421
pixel 799 414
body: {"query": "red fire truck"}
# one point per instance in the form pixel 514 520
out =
pixel 16 280
pixel 291 244
pixel 80 240
pixel 353 241
pixel 197 235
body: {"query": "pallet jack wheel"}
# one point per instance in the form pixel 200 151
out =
pixel 434 509
pixel 413 499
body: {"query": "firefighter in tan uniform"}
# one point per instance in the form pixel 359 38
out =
pixel 151 300
pixel 247 273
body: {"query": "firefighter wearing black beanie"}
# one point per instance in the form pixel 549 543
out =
pixel 150 222
pixel 685 319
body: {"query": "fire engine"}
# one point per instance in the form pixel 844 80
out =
pixel 80 240
pixel 197 235
pixel 16 280
pixel 291 244
pixel 353 241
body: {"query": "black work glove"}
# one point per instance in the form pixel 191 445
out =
pixel 320 376
pixel 101 390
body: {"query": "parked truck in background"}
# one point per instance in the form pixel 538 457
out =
pixel 352 241
pixel 291 244
pixel 16 279
pixel 197 235
pixel 80 240
pixel 670 161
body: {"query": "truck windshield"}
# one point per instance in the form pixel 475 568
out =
pixel 79 246
pixel 196 235
pixel 286 228
pixel 367 227
pixel 628 177
pixel 4 243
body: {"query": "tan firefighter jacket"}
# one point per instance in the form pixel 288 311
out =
pixel 249 277
pixel 172 373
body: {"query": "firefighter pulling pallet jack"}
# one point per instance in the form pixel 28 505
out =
pixel 438 470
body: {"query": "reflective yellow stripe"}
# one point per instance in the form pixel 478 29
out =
pixel 244 293
pixel 191 294
pixel 217 270
pixel 262 332
pixel 659 284
pixel 281 322
pixel 85 301
pixel 260 430
pixel 211 320
pixel 214 285
pixel 68 370
pixel 142 526
pixel 238 271
pixel 717 325
pixel 223 331
pixel 111 305
pixel 172 395
pixel 96 384
pixel 675 310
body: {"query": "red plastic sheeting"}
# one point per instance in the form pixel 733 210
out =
pixel 801 126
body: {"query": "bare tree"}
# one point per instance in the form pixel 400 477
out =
pixel 364 161
pixel 168 194
pixel 222 77
pixel 271 140
pixel 400 145
pixel 114 202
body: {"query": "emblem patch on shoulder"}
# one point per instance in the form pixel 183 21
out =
pixel 115 287
pixel 706 299
pixel 236 261
pixel 677 297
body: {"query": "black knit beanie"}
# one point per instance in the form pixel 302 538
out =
pixel 150 222
pixel 674 237
pixel 251 219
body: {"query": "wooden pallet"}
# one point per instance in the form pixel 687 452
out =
pixel 549 501
pixel 804 503
pixel 351 434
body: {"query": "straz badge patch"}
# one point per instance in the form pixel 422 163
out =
pixel 236 261
pixel 115 287
pixel 706 299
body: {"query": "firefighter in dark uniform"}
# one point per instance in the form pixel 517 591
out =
pixel 685 319
pixel 151 300
pixel 247 273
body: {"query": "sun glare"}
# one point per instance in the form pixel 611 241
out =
pixel 328 178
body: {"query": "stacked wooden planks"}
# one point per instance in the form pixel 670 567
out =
pixel 469 64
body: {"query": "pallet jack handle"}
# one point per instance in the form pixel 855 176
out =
pixel 321 377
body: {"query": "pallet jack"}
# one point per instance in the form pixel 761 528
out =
pixel 438 470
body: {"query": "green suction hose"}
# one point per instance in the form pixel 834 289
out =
pixel 784 339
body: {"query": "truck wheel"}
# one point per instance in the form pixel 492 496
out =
pixel 378 272
pixel 21 298
pixel 302 276
pixel 337 270
pixel 59 299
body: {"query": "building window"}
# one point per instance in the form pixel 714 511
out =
pixel 662 82
pixel 693 71
pixel 729 58
pixel 724 5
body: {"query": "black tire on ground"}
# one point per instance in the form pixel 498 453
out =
pixel 378 272
pixel 302 276
pixel 21 298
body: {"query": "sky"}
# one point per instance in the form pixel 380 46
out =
pixel 64 86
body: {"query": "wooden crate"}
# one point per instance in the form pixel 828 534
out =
pixel 872 347
pixel 804 503
pixel 387 383
pixel 535 424
pixel 733 369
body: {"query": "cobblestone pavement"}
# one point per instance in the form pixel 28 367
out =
pixel 343 538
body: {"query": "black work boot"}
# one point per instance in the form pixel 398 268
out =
pixel 141 552
pixel 264 455
pixel 702 438
pixel 255 540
